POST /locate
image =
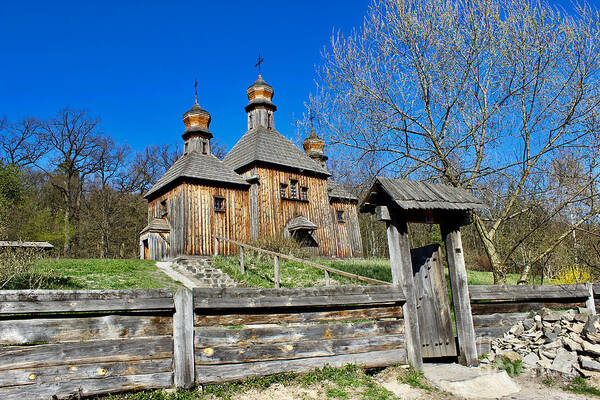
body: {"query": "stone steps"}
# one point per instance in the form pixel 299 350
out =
pixel 203 272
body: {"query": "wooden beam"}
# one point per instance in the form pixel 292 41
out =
pixel 526 292
pixel 183 339
pixel 590 303
pixel 382 213
pixel 402 277
pixel 276 266
pixel 460 294
pixel 242 265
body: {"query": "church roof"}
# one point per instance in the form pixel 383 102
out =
pixel 337 191
pixel 194 165
pixel 269 146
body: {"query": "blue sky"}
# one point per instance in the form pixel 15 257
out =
pixel 133 64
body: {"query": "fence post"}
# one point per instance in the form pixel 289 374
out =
pixel 276 262
pixel 216 246
pixel 460 294
pixel 327 278
pixel 183 339
pixel 590 303
pixel 242 266
pixel 402 276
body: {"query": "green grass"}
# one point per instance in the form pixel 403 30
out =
pixel 347 382
pixel 259 272
pixel 415 379
pixel 97 274
pixel 581 386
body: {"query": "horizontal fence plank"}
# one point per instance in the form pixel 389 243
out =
pixel 53 301
pixel 321 296
pixel 292 350
pixel 54 330
pixel 276 334
pixel 98 351
pixel 206 374
pixel 339 314
pixel 508 307
pixel 498 319
pixel 36 376
pixel 87 387
pixel 525 292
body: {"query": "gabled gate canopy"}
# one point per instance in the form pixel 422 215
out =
pixel 420 201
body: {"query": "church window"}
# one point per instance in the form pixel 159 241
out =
pixel 204 148
pixel 283 190
pixel 219 204
pixel 340 216
pixel 185 148
pixel 163 208
pixel 294 189
pixel 304 193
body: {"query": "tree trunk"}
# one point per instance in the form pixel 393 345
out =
pixel 498 268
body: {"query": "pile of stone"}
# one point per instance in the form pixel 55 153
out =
pixel 567 342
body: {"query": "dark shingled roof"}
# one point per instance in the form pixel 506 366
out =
pixel 337 191
pixel 426 196
pixel 199 166
pixel 269 146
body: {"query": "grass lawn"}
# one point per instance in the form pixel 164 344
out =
pixel 349 382
pixel 97 274
pixel 259 272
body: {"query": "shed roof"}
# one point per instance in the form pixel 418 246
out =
pixel 411 195
pixel 269 146
pixel 36 245
pixel 337 191
pixel 301 222
pixel 157 225
pixel 195 165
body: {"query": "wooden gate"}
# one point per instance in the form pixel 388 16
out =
pixel 433 306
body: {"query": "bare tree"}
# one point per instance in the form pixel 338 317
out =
pixel 147 167
pixel 19 146
pixel 474 93
pixel 74 149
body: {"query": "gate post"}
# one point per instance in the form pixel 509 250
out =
pixel 460 294
pixel 183 339
pixel 402 276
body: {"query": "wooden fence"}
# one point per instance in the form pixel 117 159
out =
pixel 497 308
pixel 83 343
pixel 277 256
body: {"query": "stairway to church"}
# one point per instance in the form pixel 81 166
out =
pixel 202 272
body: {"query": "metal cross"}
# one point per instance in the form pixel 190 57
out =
pixel 259 62
pixel 196 89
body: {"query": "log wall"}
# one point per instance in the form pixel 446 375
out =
pixel 86 343
pixel 497 308
pixel 248 332
pixel 334 239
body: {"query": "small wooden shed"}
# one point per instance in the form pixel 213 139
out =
pixel 420 272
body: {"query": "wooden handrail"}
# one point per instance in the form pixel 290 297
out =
pixel 299 260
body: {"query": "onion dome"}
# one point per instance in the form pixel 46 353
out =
pixel 197 121
pixel 314 146
pixel 260 94
pixel 260 90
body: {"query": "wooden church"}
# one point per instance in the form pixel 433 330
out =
pixel 266 187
